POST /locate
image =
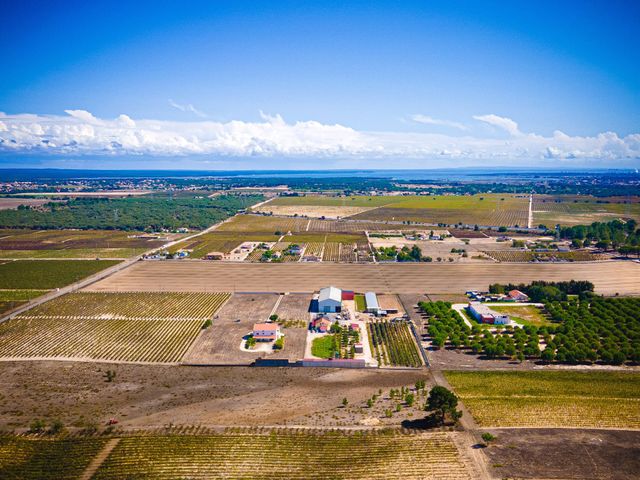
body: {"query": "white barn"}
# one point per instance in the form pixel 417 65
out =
pixel 330 300
pixel 371 301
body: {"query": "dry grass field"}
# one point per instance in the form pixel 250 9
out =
pixel 609 277
pixel 317 211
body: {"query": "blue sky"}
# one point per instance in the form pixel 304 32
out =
pixel 242 84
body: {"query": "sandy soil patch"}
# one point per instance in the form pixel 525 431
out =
pixel 147 396
pixel 316 211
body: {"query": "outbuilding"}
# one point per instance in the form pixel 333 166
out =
pixel 330 300
pixel 371 302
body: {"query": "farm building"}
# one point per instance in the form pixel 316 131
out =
pixel 266 332
pixel 330 300
pixel 348 295
pixel 518 296
pixel 484 314
pixel 371 301
pixel 358 348
pixel 321 324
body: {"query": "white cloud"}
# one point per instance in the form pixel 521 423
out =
pixel 187 108
pixel 504 123
pixel 81 133
pixel 419 118
pixel 82 115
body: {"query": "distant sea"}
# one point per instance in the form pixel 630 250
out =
pixel 457 174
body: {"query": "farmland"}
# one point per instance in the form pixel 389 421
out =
pixel 583 331
pixel 486 209
pixel 608 277
pixel 91 244
pixel 10 299
pixel 112 340
pixel 393 344
pixel 292 454
pixel 124 327
pixel 574 210
pixel 551 398
pixel 217 241
pixel 48 274
pixel 37 459
pixel 131 305
pixel 528 256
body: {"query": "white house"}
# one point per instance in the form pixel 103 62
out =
pixel 266 332
pixel 330 300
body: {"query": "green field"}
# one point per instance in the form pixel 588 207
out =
pixel 47 274
pixel 40 459
pixel 484 209
pixel 323 347
pixel 10 299
pixel 604 399
pixel 361 305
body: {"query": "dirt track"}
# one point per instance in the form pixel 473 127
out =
pixel 608 277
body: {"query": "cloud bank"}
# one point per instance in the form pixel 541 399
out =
pixel 81 133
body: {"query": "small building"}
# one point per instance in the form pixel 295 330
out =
pixel 348 295
pixel 321 324
pixel 371 303
pixel 354 327
pixel 358 348
pixel 310 258
pixel 484 314
pixel 266 332
pixel 214 256
pixel 518 296
pixel 330 300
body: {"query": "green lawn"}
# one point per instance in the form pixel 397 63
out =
pixel 361 305
pixel 524 314
pixel 323 347
pixel 48 274
pixel 550 398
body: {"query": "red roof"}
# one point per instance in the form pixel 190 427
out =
pixel 271 327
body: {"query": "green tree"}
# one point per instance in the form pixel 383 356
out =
pixel 345 402
pixel 443 402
